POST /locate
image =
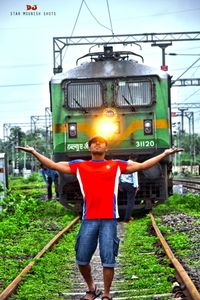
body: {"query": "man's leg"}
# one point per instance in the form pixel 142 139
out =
pixel 130 200
pixel 56 185
pixel 108 245
pixel 85 247
pixel 85 270
pixel 108 274
pixel 49 188
pixel 93 291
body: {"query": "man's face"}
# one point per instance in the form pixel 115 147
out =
pixel 98 147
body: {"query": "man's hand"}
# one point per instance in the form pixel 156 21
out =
pixel 172 151
pixel 26 148
pixel 62 166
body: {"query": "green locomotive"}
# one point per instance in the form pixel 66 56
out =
pixel 123 100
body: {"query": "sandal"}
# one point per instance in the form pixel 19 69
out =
pixel 96 293
pixel 106 297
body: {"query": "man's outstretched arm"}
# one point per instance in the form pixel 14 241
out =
pixel 135 166
pixel 62 166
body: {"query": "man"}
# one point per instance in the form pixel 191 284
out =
pixel 99 180
pixel 50 176
pixel 129 184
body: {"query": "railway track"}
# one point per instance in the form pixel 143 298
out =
pixel 118 291
pixel 190 184
pixel 13 286
pixel 189 290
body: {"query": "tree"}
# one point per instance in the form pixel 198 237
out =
pixel 37 138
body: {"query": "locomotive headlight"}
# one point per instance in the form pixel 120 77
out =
pixel 72 130
pixel 107 127
pixel 148 127
pixel 108 124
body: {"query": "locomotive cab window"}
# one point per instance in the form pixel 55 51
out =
pixel 83 95
pixel 134 93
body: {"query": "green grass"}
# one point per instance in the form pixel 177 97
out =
pixel 188 203
pixel 138 254
pixel 183 243
pixel 27 225
pixel 51 274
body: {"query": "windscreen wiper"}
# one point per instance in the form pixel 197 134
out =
pixel 83 109
pixel 132 107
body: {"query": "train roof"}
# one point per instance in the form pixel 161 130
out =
pixel 109 69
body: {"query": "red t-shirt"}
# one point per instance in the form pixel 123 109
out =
pixel 99 180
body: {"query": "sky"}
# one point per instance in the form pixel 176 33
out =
pixel 26 46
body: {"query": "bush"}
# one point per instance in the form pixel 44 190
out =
pixel 34 177
pixel 187 201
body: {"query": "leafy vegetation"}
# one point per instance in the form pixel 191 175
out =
pixel 40 138
pixel 187 202
pixel 185 140
pixel 1 188
pixel 29 222
pixel 179 221
pixel 142 270
pixel 51 274
pixel 27 225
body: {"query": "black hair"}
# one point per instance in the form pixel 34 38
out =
pixel 97 138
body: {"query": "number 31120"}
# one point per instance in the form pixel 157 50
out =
pixel 145 144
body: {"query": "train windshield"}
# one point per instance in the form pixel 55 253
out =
pixel 134 93
pixel 83 95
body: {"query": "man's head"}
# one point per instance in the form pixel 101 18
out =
pixel 98 145
pixel 97 138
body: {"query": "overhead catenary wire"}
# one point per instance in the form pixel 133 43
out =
pixel 196 69
pixel 109 17
pixel 24 66
pixel 22 84
pixel 79 11
pixel 192 95
pixel 187 70
pixel 192 66
pixel 76 21
pixel 77 17
pixel 96 18
pixel 92 14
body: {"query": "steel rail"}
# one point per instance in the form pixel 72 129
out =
pixel 12 287
pixel 191 185
pixel 191 289
pixel 189 180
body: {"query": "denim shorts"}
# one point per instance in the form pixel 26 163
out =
pixel 94 231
